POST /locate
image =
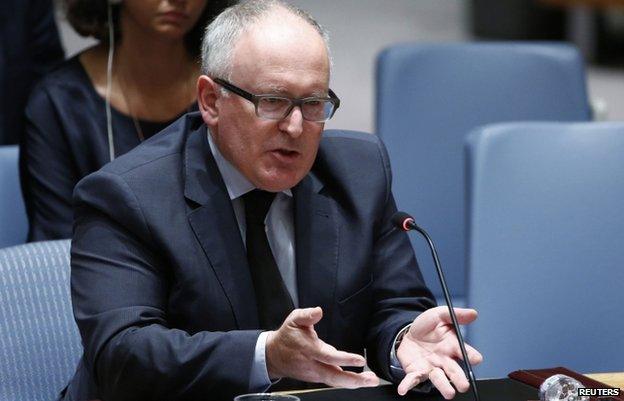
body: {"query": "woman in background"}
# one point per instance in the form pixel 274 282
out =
pixel 151 82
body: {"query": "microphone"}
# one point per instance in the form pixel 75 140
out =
pixel 406 222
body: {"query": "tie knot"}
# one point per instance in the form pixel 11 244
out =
pixel 257 204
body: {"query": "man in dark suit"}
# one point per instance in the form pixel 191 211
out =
pixel 241 246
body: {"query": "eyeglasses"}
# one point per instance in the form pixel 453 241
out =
pixel 275 107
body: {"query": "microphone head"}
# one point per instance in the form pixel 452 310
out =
pixel 403 221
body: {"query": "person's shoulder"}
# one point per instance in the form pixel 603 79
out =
pixel 65 84
pixel 149 177
pixel 61 92
pixel 67 74
pixel 160 153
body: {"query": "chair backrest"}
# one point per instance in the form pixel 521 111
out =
pixel 39 341
pixel 430 96
pixel 13 220
pixel 546 246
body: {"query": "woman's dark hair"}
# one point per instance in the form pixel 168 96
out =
pixel 90 18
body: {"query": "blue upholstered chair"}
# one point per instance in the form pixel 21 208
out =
pixel 429 96
pixel 13 220
pixel 39 341
pixel 546 246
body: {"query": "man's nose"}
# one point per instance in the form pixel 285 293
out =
pixel 293 122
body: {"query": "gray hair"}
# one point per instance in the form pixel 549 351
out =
pixel 222 33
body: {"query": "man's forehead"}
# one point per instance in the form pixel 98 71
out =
pixel 272 86
pixel 289 57
pixel 281 39
pixel 279 87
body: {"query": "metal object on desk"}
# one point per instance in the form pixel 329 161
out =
pixel 561 388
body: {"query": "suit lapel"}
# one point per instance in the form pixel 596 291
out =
pixel 216 228
pixel 316 238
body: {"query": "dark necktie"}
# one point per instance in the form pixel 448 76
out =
pixel 272 297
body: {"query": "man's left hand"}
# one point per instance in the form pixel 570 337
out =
pixel 430 350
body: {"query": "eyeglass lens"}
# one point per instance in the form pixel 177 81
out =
pixel 278 107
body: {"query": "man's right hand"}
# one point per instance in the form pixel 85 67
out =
pixel 295 351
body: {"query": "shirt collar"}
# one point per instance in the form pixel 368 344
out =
pixel 236 183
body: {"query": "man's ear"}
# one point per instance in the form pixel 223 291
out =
pixel 207 95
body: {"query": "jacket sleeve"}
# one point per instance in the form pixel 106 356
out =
pixel 47 171
pixel 120 286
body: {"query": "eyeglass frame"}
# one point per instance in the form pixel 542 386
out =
pixel 255 99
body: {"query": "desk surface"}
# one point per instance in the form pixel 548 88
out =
pixel 491 389
pixel 612 379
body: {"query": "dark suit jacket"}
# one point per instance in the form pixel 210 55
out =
pixel 161 287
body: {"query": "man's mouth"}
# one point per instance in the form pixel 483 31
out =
pixel 285 155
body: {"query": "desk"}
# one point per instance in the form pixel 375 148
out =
pixel 612 379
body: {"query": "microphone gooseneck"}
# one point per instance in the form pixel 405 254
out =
pixel 406 222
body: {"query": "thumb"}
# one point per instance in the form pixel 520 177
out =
pixel 427 321
pixel 464 315
pixel 305 317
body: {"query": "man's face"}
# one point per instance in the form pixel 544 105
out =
pixel 287 58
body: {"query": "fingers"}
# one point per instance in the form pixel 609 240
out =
pixel 448 379
pixel 328 354
pixel 334 376
pixel 474 356
pixel 370 379
pixel 320 350
pixel 421 369
pixel 451 349
pixel 295 350
pixel 410 381
pixel 451 366
pixel 440 381
pixel 432 351
pixel 441 377
pixel 305 317
pixel 456 375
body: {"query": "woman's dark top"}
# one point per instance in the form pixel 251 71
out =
pixel 66 139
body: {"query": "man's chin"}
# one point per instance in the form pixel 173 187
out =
pixel 278 183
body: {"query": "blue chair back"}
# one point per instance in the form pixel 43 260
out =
pixel 39 341
pixel 429 96
pixel 546 246
pixel 13 220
